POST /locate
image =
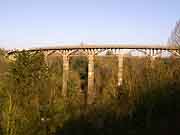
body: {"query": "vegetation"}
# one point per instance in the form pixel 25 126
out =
pixel 174 39
pixel 31 102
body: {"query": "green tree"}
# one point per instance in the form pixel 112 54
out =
pixel 25 91
pixel 174 39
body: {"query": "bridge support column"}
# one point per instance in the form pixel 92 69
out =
pixel 120 69
pixel 65 74
pixel 91 91
pixel 46 57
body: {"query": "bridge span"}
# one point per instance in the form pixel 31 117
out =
pixel 91 51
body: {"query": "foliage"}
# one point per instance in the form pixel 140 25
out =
pixel 32 104
pixel 25 81
pixel 174 39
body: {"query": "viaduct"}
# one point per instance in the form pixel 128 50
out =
pixel 90 51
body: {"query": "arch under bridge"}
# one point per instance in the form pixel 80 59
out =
pixel 90 51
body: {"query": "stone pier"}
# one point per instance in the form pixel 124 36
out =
pixel 91 91
pixel 46 57
pixel 120 69
pixel 65 75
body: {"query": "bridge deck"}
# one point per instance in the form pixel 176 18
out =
pixel 102 46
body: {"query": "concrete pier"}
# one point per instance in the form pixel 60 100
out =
pixel 120 69
pixel 91 91
pixel 65 74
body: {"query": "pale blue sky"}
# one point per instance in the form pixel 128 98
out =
pixel 32 23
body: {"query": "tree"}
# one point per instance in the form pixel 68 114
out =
pixel 3 69
pixel 174 39
pixel 24 91
pixel 3 61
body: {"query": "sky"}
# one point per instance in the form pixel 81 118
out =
pixel 35 23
